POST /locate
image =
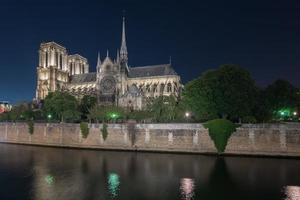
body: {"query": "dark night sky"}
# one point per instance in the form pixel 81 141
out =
pixel 262 36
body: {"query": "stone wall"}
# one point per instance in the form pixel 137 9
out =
pixel 272 140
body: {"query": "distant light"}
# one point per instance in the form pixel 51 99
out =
pixel 113 115
pixel 49 116
pixel 295 113
pixel 187 114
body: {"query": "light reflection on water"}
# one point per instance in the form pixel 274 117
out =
pixel 187 188
pixel 113 184
pixel 292 192
pixel 39 173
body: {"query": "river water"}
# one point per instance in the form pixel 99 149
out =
pixel 28 172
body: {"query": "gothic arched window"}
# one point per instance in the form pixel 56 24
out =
pixel 162 88
pixel 154 88
pixel 169 87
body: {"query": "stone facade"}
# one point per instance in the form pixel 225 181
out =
pixel 114 82
pixel 276 140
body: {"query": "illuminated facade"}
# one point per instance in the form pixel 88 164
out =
pixel 114 81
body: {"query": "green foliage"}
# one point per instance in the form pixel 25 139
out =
pixel 249 120
pixel 71 115
pixel 84 127
pixel 104 131
pixel 61 105
pixel 30 125
pixel 107 113
pixel 281 96
pixel 164 109
pixel 86 104
pixel 139 115
pixel 228 92
pixel 220 131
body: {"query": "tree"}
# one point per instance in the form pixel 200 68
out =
pixel 164 108
pixel 282 99
pixel 61 105
pixel 86 104
pixel 106 113
pixel 228 92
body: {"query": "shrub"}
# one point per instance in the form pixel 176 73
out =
pixel 84 127
pixel 30 127
pixel 104 131
pixel 249 120
pixel 220 131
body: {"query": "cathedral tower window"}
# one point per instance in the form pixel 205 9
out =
pixel 60 61
pixel 46 59
pixel 169 87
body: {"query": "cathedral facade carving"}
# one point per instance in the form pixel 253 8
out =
pixel 114 82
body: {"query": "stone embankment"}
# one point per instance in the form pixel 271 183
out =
pixel 261 140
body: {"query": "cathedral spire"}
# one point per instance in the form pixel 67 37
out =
pixel 123 50
pixel 118 55
pixel 98 60
pixel 98 63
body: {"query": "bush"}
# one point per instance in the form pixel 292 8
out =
pixel 30 127
pixel 249 120
pixel 84 127
pixel 104 131
pixel 220 131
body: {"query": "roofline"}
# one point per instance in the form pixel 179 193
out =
pixel 77 55
pixel 52 42
pixel 175 75
pixel 149 66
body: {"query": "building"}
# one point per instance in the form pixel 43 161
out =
pixel 114 82
pixel 5 106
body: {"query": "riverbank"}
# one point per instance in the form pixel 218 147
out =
pixel 253 140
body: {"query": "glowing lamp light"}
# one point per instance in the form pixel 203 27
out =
pixel 113 115
pixel 49 116
pixel 187 114
pixel 295 113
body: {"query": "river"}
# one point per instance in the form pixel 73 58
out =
pixel 28 172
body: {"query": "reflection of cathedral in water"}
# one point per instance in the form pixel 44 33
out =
pixel 114 82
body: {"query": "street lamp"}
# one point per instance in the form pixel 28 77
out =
pixel 295 113
pixel 49 116
pixel 187 116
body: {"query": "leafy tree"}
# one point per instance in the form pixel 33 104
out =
pixel 106 113
pixel 139 115
pixel 164 108
pixel 228 92
pixel 281 95
pixel 61 105
pixel 86 104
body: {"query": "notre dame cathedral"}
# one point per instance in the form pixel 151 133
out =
pixel 114 82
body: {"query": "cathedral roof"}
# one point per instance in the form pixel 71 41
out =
pixel 151 70
pixel 83 78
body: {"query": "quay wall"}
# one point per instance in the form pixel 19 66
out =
pixel 261 140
